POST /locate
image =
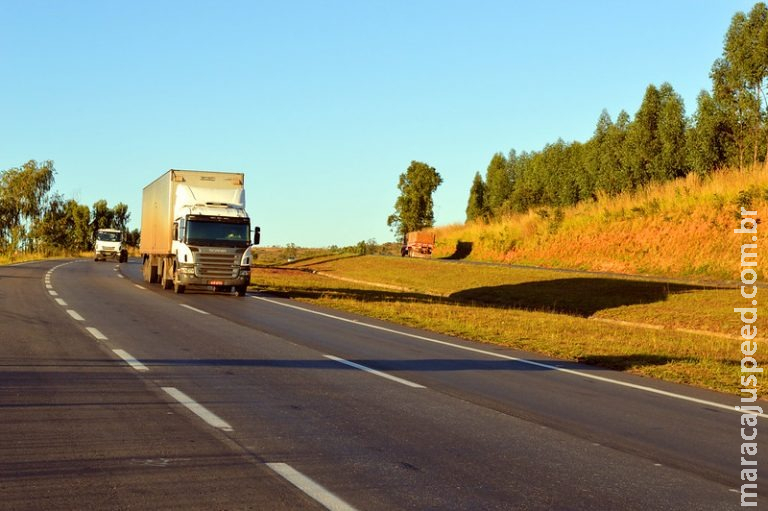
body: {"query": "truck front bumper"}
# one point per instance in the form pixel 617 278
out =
pixel 187 277
pixel 104 254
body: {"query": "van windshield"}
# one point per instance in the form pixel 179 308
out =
pixel 218 233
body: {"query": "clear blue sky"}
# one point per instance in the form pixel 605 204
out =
pixel 323 104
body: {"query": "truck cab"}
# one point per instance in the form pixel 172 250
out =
pixel 109 243
pixel 211 247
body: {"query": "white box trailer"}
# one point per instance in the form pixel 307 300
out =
pixel 195 231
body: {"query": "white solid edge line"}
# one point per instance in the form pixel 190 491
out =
pixel 310 487
pixel 75 315
pixel 209 417
pixel 95 332
pixel 374 371
pixel 523 361
pixel 140 287
pixel 193 308
pixel 130 360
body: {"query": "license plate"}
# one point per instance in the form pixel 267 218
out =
pixel 215 283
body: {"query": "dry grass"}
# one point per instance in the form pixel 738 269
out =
pixel 35 256
pixel 627 324
pixel 681 228
pixel 54 254
pixel 670 304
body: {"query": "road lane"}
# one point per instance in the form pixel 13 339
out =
pixel 79 429
pixel 630 413
pixel 662 429
pixel 477 436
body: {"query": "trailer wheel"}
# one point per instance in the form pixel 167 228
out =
pixel 164 280
pixel 149 272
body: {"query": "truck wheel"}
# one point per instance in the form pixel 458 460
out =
pixel 179 288
pixel 149 272
pixel 241 290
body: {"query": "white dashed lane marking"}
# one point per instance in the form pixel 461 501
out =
pixel 75 315
pixel 130 360
pixel 208 416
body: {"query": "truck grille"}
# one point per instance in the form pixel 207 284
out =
pixel 212 266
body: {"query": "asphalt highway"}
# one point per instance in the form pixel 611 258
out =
pixel 115 394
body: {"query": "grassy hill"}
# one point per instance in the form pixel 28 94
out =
pixel 683 228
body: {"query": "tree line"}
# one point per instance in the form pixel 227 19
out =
pixel 35 219
pixel 728 129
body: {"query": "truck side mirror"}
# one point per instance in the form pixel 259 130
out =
pixel 256 235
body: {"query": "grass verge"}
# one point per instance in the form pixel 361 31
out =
pixel 637 325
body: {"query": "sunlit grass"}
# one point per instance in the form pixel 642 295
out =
pixel 680 228
pixel 558 314
pixel 24 257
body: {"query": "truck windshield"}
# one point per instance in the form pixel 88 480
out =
pixel 218 233
pixel 108 236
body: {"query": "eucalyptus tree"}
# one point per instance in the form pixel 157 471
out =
pixel 23 192
pixel 740 78
pixel 613 178
pixel 476 205
pixel 102 216
pixel 593 162
pixel 498 184
pixel 672 158
pixel 642 144
pixel 64 225
pixel 79 221
pixel 414 207
pixel 655 147
pixel 51 227
pixel 710 138
pixel 120 216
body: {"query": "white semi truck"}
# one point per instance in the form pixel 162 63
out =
pixel 195 231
